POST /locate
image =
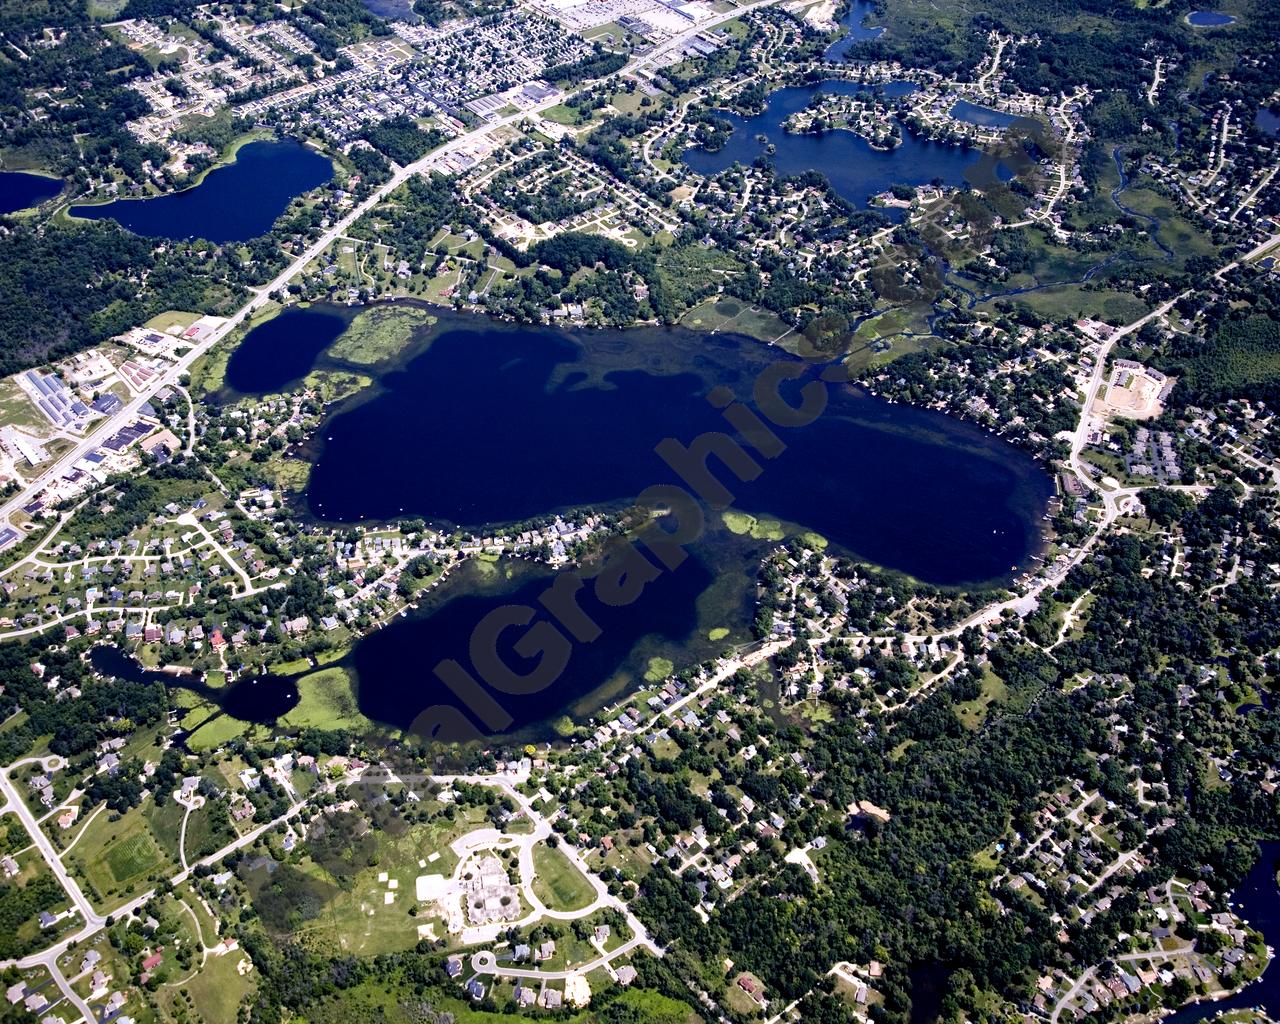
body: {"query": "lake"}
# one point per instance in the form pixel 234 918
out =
pixel 234 203
pixel 255 699
pixel 394 666
pixel 1268 119
pixel 853 168
pixel 1257 900
pixel 496 423
pixel 284 349
pixel 20 191
pixel 1209 19
pixel 484 422
pixel 963 110
pixel 856 30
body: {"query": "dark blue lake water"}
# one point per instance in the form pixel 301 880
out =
pixel 1268 120
pixel 855 30
pixel 1209 19
pixel 394 666
pixel 1257 900
pixel 487 422
pixel 284 349
pixel 853 168
pixel 963 110
pixel 19 190
pixel 254 699
pixel 232 204
pixel 497 423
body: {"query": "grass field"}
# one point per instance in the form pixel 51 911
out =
pixel 731 315
pixel 211 728
pixel 16 408
pixel 357 918
pixel 558 883
pixel 165 823
pixel 611 28
pixel 628 102
pixel 163 322
pixel 886 325
pixel 972 713
pixel 132 857
pixel 212 995
pixel 561 114
pixel 291 668
pixel 1071 302
pixel 378 999
pixel 105 10
pixel 116 858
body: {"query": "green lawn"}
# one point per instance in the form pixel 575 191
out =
pixel 972 713
pixel 216 991
pixel 561 114
pixel 558 883
pixel 132 857
pixel 732 315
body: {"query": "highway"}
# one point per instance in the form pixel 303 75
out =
pixel 1081 433
pixel 13 801
pixel 260 295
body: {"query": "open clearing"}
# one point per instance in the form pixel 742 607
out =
pixel 558 883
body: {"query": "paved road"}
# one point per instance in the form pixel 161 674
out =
pixel 1079 438
pixel 1081 435
pixel 485 962
pixel 260 296
pixel 1115 502
pixel 14 802
pixel 93 920
pixel 541 830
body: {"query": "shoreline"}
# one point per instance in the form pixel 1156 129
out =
pixel 226 159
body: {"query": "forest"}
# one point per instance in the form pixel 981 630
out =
pixel 88 133
pixel 19 904
pixel 1241 359
pixel 65 289
pixel 401 139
